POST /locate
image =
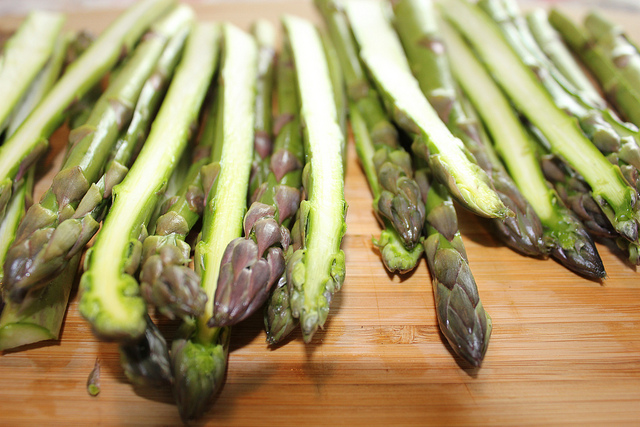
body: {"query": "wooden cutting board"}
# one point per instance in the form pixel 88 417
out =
pixel 564 349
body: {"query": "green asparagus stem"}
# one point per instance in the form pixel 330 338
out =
pixel 622 53
pixel 199 356
pixel 397 204
pixel 316 271
pixel 110 294
pixel 166 280
pixel 617 90
pixel 450 162
pixel 567 238
pixel 31 139
pixel 24 56
pixel 416 24
pixel 609 188
pixel 551 44
pixel 358 88
pixel 284 183
pixel 265 35
pixel 59 226
pixel 461 316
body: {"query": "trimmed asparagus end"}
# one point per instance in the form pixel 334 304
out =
pixel 395 256
pixel 145 361
pixel 278 319
pixel 198 370
pixel 93 382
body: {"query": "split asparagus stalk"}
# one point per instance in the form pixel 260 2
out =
pixel 316 270
pixel 24 55
pixel 110 298
pixel 199 355
pixel 449 161
pixel 567 238
pixel 396 195
pixel 31 139
pixel 416 23
pixel 59 226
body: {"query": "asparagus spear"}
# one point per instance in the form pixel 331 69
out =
pixel 450 162
pixel 617 89
pixel 461 316
pixel 416 24
pixel 395 255
pixel 30 140
pixel 316 271
pixel 58 227
pixel 199 356
pixel 265 35
pixel 285 177
pixel 569 242
pixel 24 56
pixel 615 197
pixel 396 199
pixel 110 296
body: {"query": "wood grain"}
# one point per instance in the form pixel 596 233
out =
pixel 563 350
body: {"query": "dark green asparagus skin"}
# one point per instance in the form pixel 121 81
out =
pixel 285 177
pixel 397 203
pixel 264 34
pixel 146 360
pixel 31 140
pixel 617 90
pixel 461 316
pixel 565 235
pixel 58 227
pixel 418 30
pixel 166 280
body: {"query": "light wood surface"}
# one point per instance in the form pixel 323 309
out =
pixel 563 350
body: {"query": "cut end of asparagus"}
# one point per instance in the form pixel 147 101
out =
pixel 278 320
pixel 122 321
pixel 15 335
pixel 145 361
pixel 198 371
pixel 166 281
pixel 395 256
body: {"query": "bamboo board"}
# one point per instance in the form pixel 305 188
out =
pixel 563 349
